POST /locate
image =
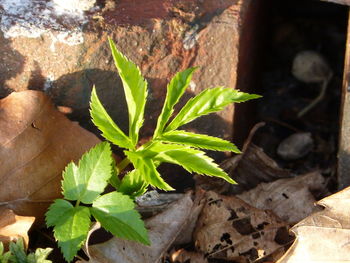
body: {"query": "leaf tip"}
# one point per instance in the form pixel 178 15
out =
pixel 146 241
pixel 235 149
pixel 256 96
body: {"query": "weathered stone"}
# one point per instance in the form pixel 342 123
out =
pixel 344 136
pixel 161 36
pixel 295 146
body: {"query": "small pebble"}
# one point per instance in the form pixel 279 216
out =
pixel 295 146
pixel 310 67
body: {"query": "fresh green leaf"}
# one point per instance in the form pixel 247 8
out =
pixel 71 226
pixel 191 159
pixel 194 161
pixel 148 170
pixel 40 256
pixel 18 252
pixel 199 141
pixel 5 257
pixel 133 184
pixel 208 101
pixel 135 88
pixel 116 213
pixel 175 90
pixel 152 176
pixel 1 248
pixel 107 126
pixel 114 180
pixel 87 181
pixel 57 211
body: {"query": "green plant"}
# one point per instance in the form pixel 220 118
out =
pixel 85 182
pixel 18 254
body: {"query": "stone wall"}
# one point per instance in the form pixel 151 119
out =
pixel 160 36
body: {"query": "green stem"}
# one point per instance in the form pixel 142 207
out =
pixel 146 145
pixel 77 203
pixel 123 164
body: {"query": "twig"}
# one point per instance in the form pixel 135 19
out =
pixel 318 99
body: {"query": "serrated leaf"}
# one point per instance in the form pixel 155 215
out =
pixel 5 257
pixel 175 90
pixel 164 228
pixel 206 102
pixel 106 125
pixel 18 253
pixel 114 180
pixel 39 256
pixel 135 88
pixel 133 184
pixel 56 211
pixel 191 159
pixel 71 226
pixel 87 181
pixel 148 170
pixel 116 213
pixel 152 176
pixel 199 141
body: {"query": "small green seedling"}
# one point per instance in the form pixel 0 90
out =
pixel 18 254
pixel 85 183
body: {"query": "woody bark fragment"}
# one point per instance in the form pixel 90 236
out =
pixel 344 139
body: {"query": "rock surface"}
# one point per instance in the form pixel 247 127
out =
pixel 295 146
pixel 161 36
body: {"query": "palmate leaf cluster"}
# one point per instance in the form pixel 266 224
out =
pixel 85 183
pixel 18 254
pixel 169 144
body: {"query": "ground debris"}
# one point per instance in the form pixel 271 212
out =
pixel 290 198
pixel 230 229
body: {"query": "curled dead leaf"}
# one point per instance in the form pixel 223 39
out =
pixel 13 227
pixel 36 143
pixel 323 236
pixel 254 167
pixel 248 169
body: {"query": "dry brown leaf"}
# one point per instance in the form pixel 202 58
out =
pixel 323 236
pixel 186 235
pixel 254 167
pixel 184 256
pixel 163 230
pixel 36 143
pixel 248 169
pixel 13 227
pixel 230 229
pixel 290 198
